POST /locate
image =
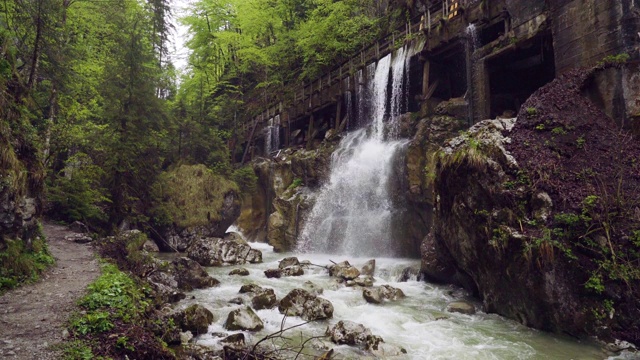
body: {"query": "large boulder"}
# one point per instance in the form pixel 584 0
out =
pixel 217 252
pixel 192 202
pixel 462 307
pixel 379 294
pixel 369 268
pixel 301 303
pixel 196 318
pixel 190 275
pixel 348 333
pixel 344 270
pixel 264 299
pixel 243 319
pixel 523 216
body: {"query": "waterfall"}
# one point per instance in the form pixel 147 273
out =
pixel 353 211
pixel 272 135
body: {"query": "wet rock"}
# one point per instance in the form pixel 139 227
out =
pixel 301 303
pixel 286 262
pixel 344 270
pixel 294 270
pixel 185 337
pixel 463 307
pixel 350 283
pixel 376 346
pixel 216 252
pixel 239 272
pixel 166 293
pixel 237 301
pixel 312 288
pixel 250 288
pixel 79 238
pixel 79 227
pixel 235 237
pixel 368 268
pixel 190 275
pixel 150 246
pixel 409 273
pixel 196 318
pixel 273 273
pixel 349 333
pixel 264 299
pixel 235 341
pixel 378 294
pixel 364 281
pixel 243 319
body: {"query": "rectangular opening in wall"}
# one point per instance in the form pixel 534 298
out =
pixel 491 33
pixel 515 75
pixel 449 69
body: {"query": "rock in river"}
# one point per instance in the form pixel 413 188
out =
pixel 378 294
pixel 243 319
pixel 301 303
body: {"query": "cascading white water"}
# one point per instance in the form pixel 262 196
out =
pixel 272 135
pixel 353 211
pixel 397 95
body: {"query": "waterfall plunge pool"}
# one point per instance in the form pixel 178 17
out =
pixel 419 323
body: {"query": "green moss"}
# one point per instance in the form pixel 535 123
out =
pixel 20 263
pixel 190 195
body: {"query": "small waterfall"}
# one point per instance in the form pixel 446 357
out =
pixel 397 94
pixel 272 135
pixel 473 42
pixel 353 211
pixel 346 84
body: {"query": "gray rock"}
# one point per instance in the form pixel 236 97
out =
pixel 378 294
pixel 286 262
pixel 234 236
pixel 79 227
pixel 216 252
pixel 463 307
pixel 185 337
pixel 376 346
pixel 239 272
pixel 312 288
pixel 79 238
pixel 344 270
pixel 294 270
pixel 250 288
pixel 364 281
pixel 369 268
pixel 265 299
pixel 301 303
pixel 273 273
pixel 237 301
pixel 243 319
pixel 235 341
pixel 190 275
pixel 349 333
pixel 196 318
pixel 150 246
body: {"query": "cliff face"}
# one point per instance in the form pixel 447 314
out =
pixel 276 212
pixel 539 216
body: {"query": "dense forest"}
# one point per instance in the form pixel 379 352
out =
pixel 95 111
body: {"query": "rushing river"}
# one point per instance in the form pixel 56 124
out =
pixel 419 323
pixel 353 215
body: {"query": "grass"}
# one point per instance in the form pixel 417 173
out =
pixel 22 264
pixel 190 195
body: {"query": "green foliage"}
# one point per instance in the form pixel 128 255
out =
pixel 246 179
pixel 580 142
pixel 77 350
pixel 113 296
pixel 616 59
pixel 531 111
pixel 559 130
pixel 76 194
pixel 540 127
pixel 22 263
pixel 190 195
pixel 295 184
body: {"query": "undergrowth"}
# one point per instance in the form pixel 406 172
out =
pixel 23 263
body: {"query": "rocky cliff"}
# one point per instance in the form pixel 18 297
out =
pixel 539 215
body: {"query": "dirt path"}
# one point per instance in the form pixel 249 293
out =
pixel 32 317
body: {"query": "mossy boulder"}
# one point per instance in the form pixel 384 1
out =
pixel 196 318
pixel 192 202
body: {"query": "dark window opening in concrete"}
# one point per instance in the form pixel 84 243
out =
pixel 415 84
pixel 450 71
pixel 491 33
pixel 514 76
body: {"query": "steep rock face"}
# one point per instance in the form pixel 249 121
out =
pixel 538 217
pixel 428 134
pixel 276 211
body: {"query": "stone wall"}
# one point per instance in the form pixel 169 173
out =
pixel 585 31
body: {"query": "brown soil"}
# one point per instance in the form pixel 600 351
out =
pixel 32 318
